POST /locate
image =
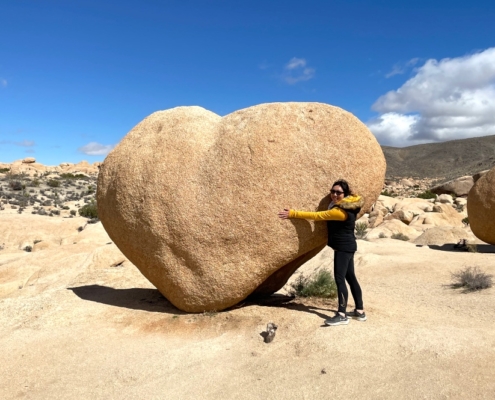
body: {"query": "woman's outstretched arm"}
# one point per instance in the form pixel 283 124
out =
pixel 335 214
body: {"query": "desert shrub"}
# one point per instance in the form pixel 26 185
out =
pixel 72 176
pixel 389 194
pixel 319 285
pixel 361 229
pixel 28 249
pixel 472 247
pixel 471 279
pixel 382 235
pixel 16 185
pixel 73 212
pixel 427 195
pixel 4 170
pixel 55 212
pixel 65 208
pixel 47 203
pixel 53 183
pixel 37 241
pixel 89 210
pixel 400 236
pixel 465 221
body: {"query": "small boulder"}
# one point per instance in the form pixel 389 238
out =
pixel 479 175
pixel 481 207
pixel 440 235
pixel 29 160
pixel 445 199
pixel 459 187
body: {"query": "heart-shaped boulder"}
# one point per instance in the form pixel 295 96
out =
pixel 191 198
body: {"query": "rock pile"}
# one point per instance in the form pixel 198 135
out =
pixel 192 198
pixel 30 167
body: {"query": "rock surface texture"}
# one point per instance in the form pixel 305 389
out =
pixel 481 207
pixel 191 198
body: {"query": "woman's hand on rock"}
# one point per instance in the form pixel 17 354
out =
pixel 284 214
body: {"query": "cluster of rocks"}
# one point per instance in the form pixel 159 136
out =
pixel 414 187
pixel 407 186
pixel 30 167
pixel 409 218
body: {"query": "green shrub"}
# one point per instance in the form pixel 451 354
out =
pixel 389 194
pixel 471 279
pixel 361 229
pixel 16 185
pixel 472 247
pixel 4 170
pixel 427 195
pixel 465 221
pixel 400 236
pixel 319 285
pixel 72 176
pixel 89 210
pixel 382 235
pixel 72 212
pixel 53 183
pixel 28 249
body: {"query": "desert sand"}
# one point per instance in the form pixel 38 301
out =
pixel 79 321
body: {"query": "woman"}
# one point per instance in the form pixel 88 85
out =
pixel 341 221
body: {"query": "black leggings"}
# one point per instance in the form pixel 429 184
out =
pixel 343 269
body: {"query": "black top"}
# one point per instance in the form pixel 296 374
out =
pixel 341 233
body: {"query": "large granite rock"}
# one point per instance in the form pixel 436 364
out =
pixel 191 198
pixel 459 187
pixel 481 207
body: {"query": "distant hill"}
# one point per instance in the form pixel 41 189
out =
pixel 446 159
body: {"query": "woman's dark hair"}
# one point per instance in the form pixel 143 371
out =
pixel 344 185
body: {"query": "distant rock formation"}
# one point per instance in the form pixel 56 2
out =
pixel 481 207
pixel 30 167
pixel 191 198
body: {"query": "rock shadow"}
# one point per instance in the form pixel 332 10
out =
pixel 135 298
pixel 480 248
pixel 282 301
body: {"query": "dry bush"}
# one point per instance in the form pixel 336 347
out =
pixel 471 279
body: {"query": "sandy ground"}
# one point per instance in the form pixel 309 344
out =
pixel 78 323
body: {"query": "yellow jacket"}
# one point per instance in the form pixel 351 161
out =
pixel 336 213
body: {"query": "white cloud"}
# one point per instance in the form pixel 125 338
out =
pixel 296 70
pixel 95 149
pixel 393 129
pixel 453 98
pixel 25 143
pixel 399 69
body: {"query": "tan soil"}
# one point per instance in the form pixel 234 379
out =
pixel 78 327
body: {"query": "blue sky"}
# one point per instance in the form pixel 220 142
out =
pixel 76 76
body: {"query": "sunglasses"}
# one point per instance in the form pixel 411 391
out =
pixel 338 193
